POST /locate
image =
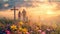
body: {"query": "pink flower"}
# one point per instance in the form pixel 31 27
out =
pixel 48 29
pixel 8 32
pixel 39 30
pixel 43 32
pixel 27 33
pixel 31 31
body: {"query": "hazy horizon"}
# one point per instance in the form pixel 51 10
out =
pixel 44 11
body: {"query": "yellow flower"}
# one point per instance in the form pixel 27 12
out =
pixel 13 27
pixel 20 28
pixel 21 23
pixel 24 30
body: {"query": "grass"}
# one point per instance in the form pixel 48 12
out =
pixel 4 22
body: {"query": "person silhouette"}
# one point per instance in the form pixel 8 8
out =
pixel 19 16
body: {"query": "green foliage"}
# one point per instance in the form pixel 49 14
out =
pixel 5 21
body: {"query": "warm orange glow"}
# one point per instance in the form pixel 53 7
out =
pixel 40 9
pixel 50 12
pixel 43 0
pixel 44 9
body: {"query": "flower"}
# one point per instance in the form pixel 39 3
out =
pixel 24 30
pixel 20 29
pixel 13 27
pixel 21 23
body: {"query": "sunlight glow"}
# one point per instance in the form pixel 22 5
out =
pixel 43 0
pixel 50 12
pixel 43 9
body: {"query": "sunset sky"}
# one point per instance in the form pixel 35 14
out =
pixel 35 8
pixel 38 11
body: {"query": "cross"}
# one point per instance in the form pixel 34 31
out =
pixel 14 12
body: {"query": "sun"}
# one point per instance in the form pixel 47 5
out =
pixel 49 12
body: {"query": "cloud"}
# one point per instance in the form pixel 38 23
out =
pixel 2 5
pixel 20 3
